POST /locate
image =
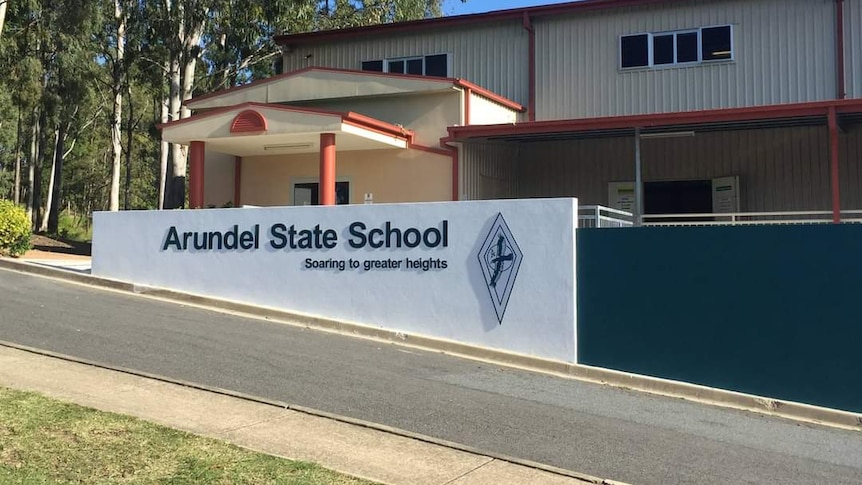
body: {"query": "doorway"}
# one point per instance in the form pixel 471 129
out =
pixel 678 197
pixel 308 193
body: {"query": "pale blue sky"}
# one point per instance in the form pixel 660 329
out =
pixel 455 7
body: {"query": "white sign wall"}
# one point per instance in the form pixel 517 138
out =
pixel 498 274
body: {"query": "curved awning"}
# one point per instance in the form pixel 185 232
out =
pixel 250 129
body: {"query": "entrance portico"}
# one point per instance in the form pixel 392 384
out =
pixel 260 129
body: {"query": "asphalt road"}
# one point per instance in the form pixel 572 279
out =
pixel 602 431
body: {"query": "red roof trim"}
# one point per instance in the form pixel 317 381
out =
pixel 797 110
pixel 479 90
pixel 452 81
pixel 436 151
pixel 351 118
pixel 248 121
pixel 458 20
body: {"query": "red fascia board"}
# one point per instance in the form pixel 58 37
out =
pixel 656 120
pixel 378 126
pixel 436 151
pixel 479 90
pixel 459 20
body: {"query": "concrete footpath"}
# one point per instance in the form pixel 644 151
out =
pixel 348 448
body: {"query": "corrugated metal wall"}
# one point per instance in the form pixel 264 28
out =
pixel 487 171
pixel 580 168
pixel 492 55
pixel 483 111
pixel 850 164
pixel 783 54
pixel 853 47
pixel 779 169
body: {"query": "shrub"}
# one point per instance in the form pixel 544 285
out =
pixel 14 229
pixel 72 227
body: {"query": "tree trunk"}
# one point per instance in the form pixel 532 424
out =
pixel 57 182
pixel 117 112
pixel 16 190
pixel 49 204
pixel 164 152
pixel 31 165
pixel 3 4
pixel 37 175
pixel 130 136
pixel 176 183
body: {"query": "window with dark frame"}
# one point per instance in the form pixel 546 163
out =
pixel 376 66
pixel 716 43
pixel 672 48
pixel 634 50
pixel 436 65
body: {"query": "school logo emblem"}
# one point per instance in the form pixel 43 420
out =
pixel 500 258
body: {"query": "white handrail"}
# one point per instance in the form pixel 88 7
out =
pixel 750 218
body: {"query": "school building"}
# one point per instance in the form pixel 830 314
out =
pixel 678 111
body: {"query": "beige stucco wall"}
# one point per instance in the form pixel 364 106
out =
pixel 391 175
pixel 218 178
pixel 427 115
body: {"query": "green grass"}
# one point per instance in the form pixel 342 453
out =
pixel 43 441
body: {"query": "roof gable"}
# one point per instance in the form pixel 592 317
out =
pixel 318 83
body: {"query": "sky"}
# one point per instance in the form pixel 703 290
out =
pixel 456 7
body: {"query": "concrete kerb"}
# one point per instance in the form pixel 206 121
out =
pixel 701 394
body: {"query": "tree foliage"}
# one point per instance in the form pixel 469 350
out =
pixel 84 84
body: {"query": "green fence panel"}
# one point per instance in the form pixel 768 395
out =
pixel 768 310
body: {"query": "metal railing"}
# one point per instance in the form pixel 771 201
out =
pixel 750 218
pixel 600 216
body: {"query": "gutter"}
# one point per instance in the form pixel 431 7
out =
pixel 531 63
pixel 839 48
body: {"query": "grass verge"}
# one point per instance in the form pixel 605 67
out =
pixel 44 441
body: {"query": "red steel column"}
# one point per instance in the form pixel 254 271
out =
pixel 327 169
pixel 833 158
pixel 237 181
pixel 196 174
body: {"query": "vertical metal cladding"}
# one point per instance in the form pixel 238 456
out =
pixel 492 55
pixel 850 167
pixel 579 168
pixel 782 54
pixel 853 47
pixel 488 170
pixel 779 169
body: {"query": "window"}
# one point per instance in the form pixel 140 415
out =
pixel 717 44
pixel 434 65
pixel 372 66
pixel 672 48
pixel 635 50
pixel 308 193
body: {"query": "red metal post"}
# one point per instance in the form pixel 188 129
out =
pixel 833 158
pixel 327 169
pixel 196 174
pixel 237 181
